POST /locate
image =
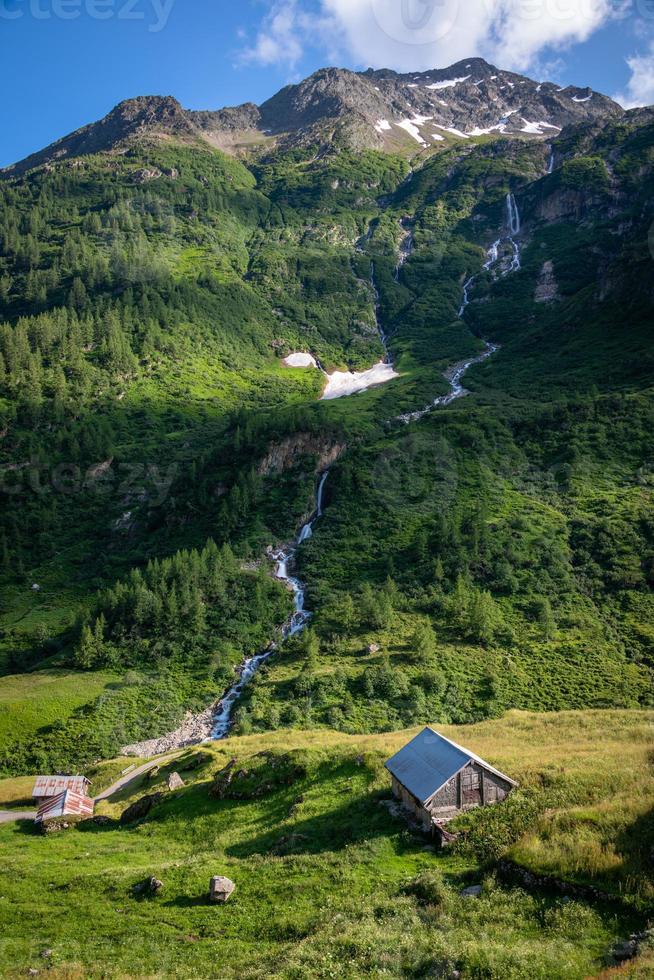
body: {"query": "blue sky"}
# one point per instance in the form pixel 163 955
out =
pixel 67 62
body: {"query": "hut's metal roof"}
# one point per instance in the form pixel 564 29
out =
pixel 53 785
pixel 429 761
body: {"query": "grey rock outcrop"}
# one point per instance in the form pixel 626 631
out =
pixel 140 808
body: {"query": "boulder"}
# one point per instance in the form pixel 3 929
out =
pixel 626 951
pixel 154 772
pixel 473 891
pixel 147 888
pixel 175 781
pixel 220 888
pixel 140 808
pixel 373 648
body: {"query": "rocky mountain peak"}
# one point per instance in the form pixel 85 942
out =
pixel 378 109
pixel 146 115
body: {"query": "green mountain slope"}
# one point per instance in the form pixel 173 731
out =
pixel 498 552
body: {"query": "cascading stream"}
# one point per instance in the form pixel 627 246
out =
pixel 455 374
pixel 284 559
pixel 294 625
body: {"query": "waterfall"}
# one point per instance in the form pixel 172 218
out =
pixel 513 215
pixel 466 294
pixel 550 164
pixel 406 246
pixel 457 372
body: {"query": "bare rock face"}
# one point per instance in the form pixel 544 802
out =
pixel 547 289
pixel 140 808
pixel 283 456
pixel 220 889
pixel 175 781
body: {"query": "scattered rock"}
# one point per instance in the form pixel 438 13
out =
pixel 147 888
pixel 373 648
pixel 175 781
pixel 46 953
pixel 195 761
pixel 154 772
pixel 146 174
pixel 473 891
pixel 220 888
pixel 56 825
pixel 140 808
pixel 625 951
pixel 222 780
pixel 510 871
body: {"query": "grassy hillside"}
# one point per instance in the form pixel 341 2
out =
pixel 328 882
pixel 32 701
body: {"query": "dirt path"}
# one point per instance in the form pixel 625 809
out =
pixel 6 816
pixel 130 776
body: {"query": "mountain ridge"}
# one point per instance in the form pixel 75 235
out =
pixel 374 109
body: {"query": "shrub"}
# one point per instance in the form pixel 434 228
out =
pixel 428 888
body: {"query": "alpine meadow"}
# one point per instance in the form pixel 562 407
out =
pixel 323 422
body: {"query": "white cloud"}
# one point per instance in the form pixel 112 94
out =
pixel 522 28
pixel 640 88
pixel 286 31
pixel 421 34
pixel 413 35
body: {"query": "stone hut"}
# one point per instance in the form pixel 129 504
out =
pixel 436 779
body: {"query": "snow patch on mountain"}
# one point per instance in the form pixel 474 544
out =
pixel 411 126
pixel 300 360
pixel 450 83
pixel 342 383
